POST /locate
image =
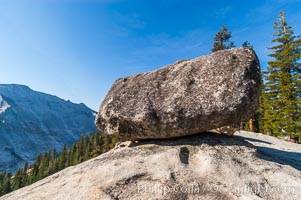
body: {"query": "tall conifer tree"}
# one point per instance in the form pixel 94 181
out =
pixel 281 99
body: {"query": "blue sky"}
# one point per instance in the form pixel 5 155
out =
pixel 75 49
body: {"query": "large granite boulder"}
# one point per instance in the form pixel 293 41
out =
pixel 184 98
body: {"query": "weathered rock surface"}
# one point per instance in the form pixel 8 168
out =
pixel 184 98
pixel 245 166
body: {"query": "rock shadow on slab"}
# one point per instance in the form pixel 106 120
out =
pixel 210 138
pixel 281 157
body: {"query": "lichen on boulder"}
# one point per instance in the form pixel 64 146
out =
pixel 184 98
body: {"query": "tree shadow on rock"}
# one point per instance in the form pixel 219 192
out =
pixel 253 139
pixel 292 159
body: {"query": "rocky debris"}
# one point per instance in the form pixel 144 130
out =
pixel 184 98
pixel 204 166
pixel 227 130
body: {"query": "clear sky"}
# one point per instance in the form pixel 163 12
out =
pixel 75 49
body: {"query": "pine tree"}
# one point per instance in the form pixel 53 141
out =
pixel 51 162
pixel 281 98
pixel 63 158
pixel 247 44
pixel 259 114
pixel 221 40
pixel 18 179
pixel 6 186
pixel 25 168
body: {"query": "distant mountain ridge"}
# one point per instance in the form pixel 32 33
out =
pixel 33 122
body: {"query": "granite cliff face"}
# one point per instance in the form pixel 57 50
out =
pixel 205 166
pixel 184 98
pixel 33 122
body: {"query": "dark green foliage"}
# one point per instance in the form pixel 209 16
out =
pixel 281 92
pixel 50 162
pixel 247 44
pixel 221 40
pixel 5 183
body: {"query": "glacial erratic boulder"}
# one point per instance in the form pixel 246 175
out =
pixel 184 98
